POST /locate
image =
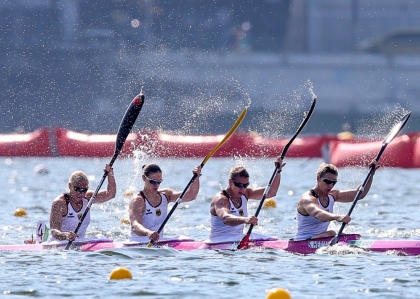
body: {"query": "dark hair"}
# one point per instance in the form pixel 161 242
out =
pixel 238 171
pixel 151 168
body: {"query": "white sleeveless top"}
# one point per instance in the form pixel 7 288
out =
pixel 152 219
pixel 221 231
pixel 309 226
pixel 72 218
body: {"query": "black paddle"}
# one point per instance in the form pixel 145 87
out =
pixel 179 200
pixel 126 125
pixel 394 132
pixel 244 244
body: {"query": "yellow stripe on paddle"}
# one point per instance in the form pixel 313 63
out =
pixel 179 200
pixel 228 134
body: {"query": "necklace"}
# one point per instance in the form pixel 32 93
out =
pixel 236 202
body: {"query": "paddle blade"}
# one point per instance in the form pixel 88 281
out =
pixel 302 125
pixel 244 242
pixel 128 120
pixel 334 240
pixel 126 125
pixel 391 135
pixel 397 128
pixel 228 134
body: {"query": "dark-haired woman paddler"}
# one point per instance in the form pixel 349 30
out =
pixel 149 208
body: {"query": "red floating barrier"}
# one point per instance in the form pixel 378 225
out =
pixel 35 144
pixel 399 153
pixel 70 143
pixel 302 147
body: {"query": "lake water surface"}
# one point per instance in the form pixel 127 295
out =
pixel 390 211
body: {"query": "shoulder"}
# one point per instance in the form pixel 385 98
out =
pixel 307 195
pixel 166 191
pixel 220 198
pixel 137 202
pixel 307 198
pixel 59 200
pixel 334 193
pixel 249 191
pixel 221 195
pixel 89 194
pixel 138 198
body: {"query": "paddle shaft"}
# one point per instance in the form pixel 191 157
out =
pixel 356 199
pixel 244 241
pixel 179 200
pixel 126 125
pixel 394 132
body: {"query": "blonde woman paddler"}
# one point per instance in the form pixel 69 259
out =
pixel 68 208
pixel 229 208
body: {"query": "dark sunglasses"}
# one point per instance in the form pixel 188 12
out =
pixel 240 185
pixel 328 181
pixel 154 182
pixel 80 190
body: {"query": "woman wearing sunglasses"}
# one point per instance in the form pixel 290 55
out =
pixel 228 209
pixel 68 208
pixel 315 207
pixel 149 208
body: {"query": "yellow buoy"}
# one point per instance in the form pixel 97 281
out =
pixel 278 293
pixel 120 273
pixel 345 135
pixel 128 193
pixel 20 212
pixel 125 220
pixel 270 203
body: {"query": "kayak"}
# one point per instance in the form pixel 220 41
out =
pixel 182 244
pixel 97 244
pixel 298 247
pixel 400 247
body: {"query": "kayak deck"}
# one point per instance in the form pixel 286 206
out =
pixel 402 247
pixel 300 247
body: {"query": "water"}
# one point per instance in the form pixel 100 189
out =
pixel 389 211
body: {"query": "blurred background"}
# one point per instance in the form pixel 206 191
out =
pixel 77 64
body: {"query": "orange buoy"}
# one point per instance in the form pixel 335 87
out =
pixel 278 293
pixel 125 220
pixel 270 203
pixel 120 273
pixel 20 212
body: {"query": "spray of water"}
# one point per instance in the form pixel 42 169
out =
pixel 289 111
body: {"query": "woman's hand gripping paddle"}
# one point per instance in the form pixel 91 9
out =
pixel 394 132
pixel 244 244
pixel 215 149
pixel 126 125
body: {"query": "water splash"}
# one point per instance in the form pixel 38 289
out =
pixel 289 112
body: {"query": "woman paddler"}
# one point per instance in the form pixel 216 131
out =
pixel 68 208
pixel 229 208
pixel 148 210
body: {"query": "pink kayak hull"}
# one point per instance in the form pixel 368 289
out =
pixel 402 247
pixel 299 247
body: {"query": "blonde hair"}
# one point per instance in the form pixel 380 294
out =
pixel 326 168
pixel 77 177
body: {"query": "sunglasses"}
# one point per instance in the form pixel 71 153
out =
pixel 328 181
pixel 154 182
pixel 240 185
pixel 80 190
